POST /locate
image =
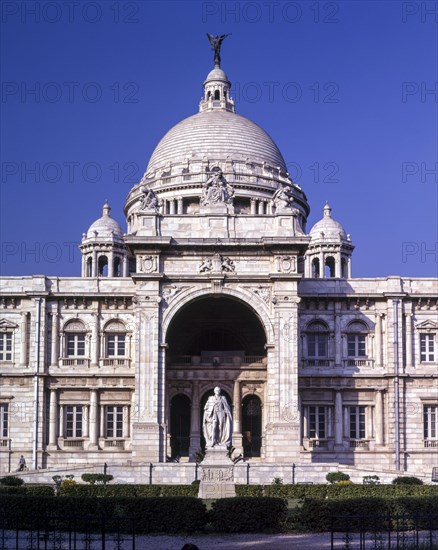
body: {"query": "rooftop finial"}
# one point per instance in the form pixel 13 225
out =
pixel 106 208
pixel 216 42
pixel 327 210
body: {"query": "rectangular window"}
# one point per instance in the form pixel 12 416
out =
pixel 6 346
pixel 73 421
pixel 357 422
pixel 430 417
pixel 316 422
pixel 114 421
pixel 75 345
pixel 427 348
pixel 317 345
pixel 4 418
pixel 356 345
pixel 116 345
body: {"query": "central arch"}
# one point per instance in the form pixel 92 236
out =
pixel 213 340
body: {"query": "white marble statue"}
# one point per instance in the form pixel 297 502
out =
pixel 217 421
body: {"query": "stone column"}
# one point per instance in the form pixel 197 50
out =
pixel 321 265
pixel 53 419
pixel 54 346
pixel 172 207
pixel 338 266
pixel 94 270
pixel 237 420
pixel 101 421
pixel 338 419
pixel 93 420
pixel 338 335
pixel 306 422
pixel 379 418
pixel 125 267
pixel 180 206
pixel 110 263
pixel 85 421
pixel 23 354
pixel 126 422
pixel 261 208
pixel 378 340
pixel 409 362
pixel 61 421
pixel 349 267
pixel 253 207
pixel 195 421
pixel 95 342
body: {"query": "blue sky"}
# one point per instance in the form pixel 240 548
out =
pixel 345 89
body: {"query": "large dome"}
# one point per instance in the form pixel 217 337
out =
pixel 217 135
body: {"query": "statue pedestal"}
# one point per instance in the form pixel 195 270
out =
pixel 217 475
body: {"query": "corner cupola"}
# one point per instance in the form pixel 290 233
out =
pixel 329 252
pixel 103 249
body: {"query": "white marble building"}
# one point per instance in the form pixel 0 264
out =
pixel 217 281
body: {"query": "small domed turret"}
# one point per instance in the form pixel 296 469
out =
pixel 330 249
pixel 103 249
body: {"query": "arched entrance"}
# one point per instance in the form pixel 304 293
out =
pixel 179 426
pixel 214 341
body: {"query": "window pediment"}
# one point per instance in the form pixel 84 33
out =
pixel 6 325
pixel 427 326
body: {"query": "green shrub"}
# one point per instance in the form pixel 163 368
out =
pixel 97 478
pixel 335 477
pixel 11 481
pixel 249 490
pixel 149 515
pixel 248 514
pixel 407 480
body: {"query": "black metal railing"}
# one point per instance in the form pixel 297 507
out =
pixel 57 532
pixel 402 532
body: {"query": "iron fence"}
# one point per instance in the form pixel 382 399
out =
pixel 401 532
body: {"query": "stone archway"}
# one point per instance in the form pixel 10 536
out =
pixel 214 340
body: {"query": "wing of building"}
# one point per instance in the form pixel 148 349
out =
pixel 217 282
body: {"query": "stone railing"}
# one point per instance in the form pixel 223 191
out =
pixel 72 444
pixel 114 444
pixel 318 363
pixel 116 362
pixel 431 443
pixel 218 359
pixel 358 362
pixel 359 444
pixel 75 362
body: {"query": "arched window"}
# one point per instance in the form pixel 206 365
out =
pixel 75 336
pixel 89 271
pixel 329 267
pixel 217 94
pixel 315 268
pixel 115 339
pixel 251 425
pixel 357 332
pixel 103 266
pixel 180 408
pixel 317 342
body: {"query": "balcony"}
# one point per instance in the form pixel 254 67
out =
pixel 360 444
pixel 217 359
pixel 5 444
pixel 116 362
pixel 358 362
pixel 428 443
pixel 75 362
pixel 114 444
pixel 318 362
pixel 73 444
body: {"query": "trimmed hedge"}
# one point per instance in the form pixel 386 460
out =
pixel 148 515
pixel 248 515
pixel 130 490
pixel 370 512
pixel 33 490
pixel 335 491
pixel 11 481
